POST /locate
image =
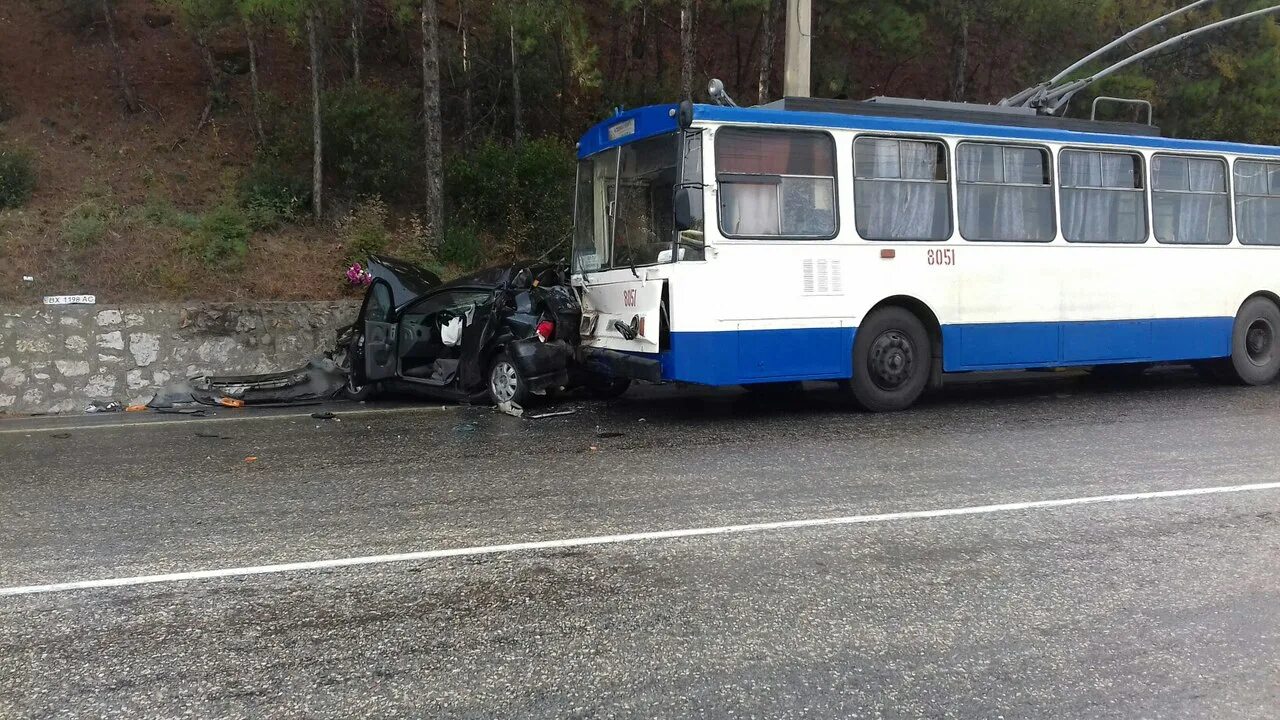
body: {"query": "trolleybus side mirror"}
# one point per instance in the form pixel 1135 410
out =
pixel 687 205
pixel 684 114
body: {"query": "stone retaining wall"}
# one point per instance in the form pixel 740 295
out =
pixel 58 359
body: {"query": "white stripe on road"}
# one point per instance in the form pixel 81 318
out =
pixel 627 538
pixel 132 421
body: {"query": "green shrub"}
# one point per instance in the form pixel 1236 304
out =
pixel 160 212
pixel 86 223
pixel 522 197
pixel 17 178
pixel 369 139
pixel 462 246
pixel 272 196
pixel 221 240
pixel 364 231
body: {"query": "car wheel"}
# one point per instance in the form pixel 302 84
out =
pixel 1255 353
pixel 505 382
pixel 350 389
pixel 605 387
pixel 892 355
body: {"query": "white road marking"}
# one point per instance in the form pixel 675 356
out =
pixel 628 538
pixel 125 421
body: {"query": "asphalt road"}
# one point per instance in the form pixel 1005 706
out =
pixel 1130 606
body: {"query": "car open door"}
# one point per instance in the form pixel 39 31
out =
pixel 379 332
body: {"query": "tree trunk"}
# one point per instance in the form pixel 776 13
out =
pixel 253 81
pixel 431 122
pixel 317 156
pixel 122 73
pixel 772 13
pixel 212 80
pixel 357 30
pixel 466 70
pixel 960 59
pixel 686 49
pixel 515 88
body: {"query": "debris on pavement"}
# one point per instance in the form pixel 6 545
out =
pixel 320 379
pixel 104 406
pixel 511 409
pixel 136 408
pixel 325 416
pixel 553 413
pixel 251 458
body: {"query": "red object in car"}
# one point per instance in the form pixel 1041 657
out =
pixel 546 329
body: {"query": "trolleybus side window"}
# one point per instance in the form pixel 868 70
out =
pixel 1006 192
pixel 900 189
pixel 1189 200
pixel 776 183
pixel 1102 197
pixel 1258 202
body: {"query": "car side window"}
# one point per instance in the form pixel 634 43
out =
pixel 377 306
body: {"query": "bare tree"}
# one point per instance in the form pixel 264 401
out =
pixel 317 155
pixel 213 76
pixel 772 16
pixel 127 93
pixel 432 121
pixel 357 32
pixel 253 79
pixel 464 37
pixel 686 49
pixel 515 87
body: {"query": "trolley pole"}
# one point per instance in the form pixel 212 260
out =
pixel 799 33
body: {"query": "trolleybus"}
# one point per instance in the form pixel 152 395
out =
pixel 886 242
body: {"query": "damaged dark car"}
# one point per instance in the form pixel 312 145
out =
pixel 503 334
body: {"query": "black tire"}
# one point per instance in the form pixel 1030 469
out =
pixel 350 390
pixel 604 387
pixel 892 359
pixel 1255 343
pixel 504 382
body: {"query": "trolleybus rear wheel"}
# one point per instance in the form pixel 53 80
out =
pixel 892 355
pixel 1255 343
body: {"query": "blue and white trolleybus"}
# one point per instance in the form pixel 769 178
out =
pixel 887 242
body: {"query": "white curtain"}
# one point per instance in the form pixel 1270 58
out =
pixel 1257 209
pixel 1099 200
pixel 1191 201
pixel 749 209
pixel 999 209
pixel 896 197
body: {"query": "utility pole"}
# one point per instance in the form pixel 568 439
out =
pixel 799 34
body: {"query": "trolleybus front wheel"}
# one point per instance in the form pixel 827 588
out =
pixel 892 355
